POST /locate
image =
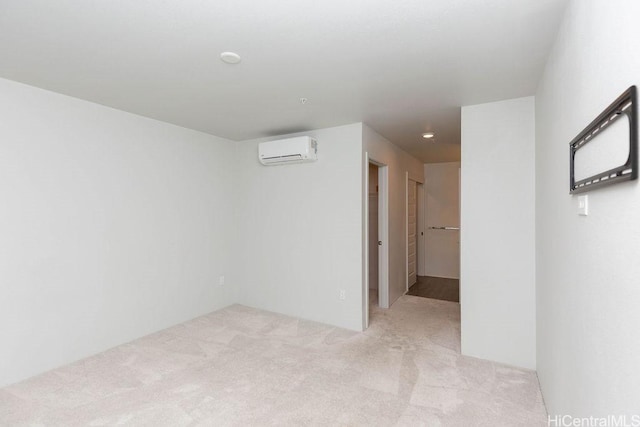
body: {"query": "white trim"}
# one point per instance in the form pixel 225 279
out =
pixel 365 222
pixel 383 235
pixel 406 232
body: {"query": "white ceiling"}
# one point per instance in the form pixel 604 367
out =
pixel 401 66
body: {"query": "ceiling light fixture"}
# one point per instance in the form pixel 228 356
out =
pixel 230 57
pixel 428 135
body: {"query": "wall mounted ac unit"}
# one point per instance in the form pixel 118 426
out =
pixel 292 150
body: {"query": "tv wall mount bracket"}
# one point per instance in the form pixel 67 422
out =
pixel 625 105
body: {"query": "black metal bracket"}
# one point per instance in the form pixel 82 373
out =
pixel 626 104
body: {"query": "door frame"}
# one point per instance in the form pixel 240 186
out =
pixel 383 236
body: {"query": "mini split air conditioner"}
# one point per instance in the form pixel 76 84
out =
pixel 292 150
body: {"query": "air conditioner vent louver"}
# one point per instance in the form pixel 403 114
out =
pixel 293 150
pixel 290 157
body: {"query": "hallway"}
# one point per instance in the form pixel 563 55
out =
pixel 437 288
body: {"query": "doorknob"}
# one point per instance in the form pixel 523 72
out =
pixel 379 242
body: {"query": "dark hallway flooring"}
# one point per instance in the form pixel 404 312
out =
pixel 436 288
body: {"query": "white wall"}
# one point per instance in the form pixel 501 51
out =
pixel 112 226
pixel 399 163
pixel 300 230
pixel 588 287
pixel 497 277
pixel 442 252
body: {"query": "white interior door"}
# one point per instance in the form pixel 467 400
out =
pixel 442 244
pixel 412 228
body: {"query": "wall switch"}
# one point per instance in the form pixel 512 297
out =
pixel 221 281
pixel 343 294
pixel 583 205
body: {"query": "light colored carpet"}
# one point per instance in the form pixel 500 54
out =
pixel 247 367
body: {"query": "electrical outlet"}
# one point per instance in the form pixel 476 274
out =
pixel 221 281
pixel 343 294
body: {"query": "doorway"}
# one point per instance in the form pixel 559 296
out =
pixel 376 237
pixel 439 266
pixel 373 233
pixel 412 232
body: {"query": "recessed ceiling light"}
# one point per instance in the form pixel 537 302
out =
pixel 428 135
pixel 230 57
